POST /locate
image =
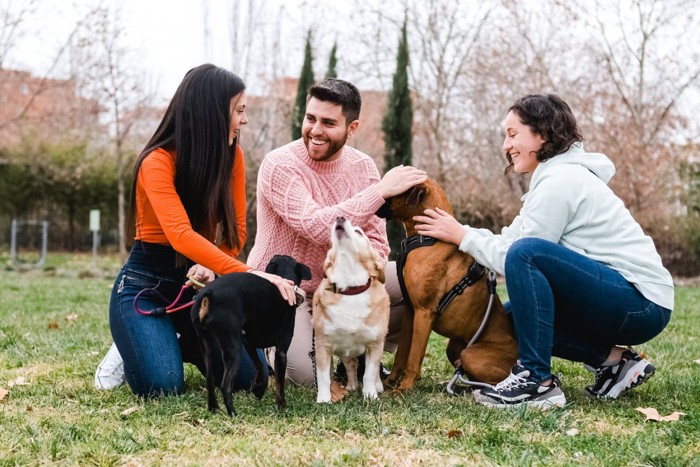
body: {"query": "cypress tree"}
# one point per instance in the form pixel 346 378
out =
pixel 396 126
pixel 306 80
pixel 331 73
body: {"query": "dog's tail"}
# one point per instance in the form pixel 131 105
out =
pixel 200 308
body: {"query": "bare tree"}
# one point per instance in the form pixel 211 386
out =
pixel 108 74
pixel 12 21
pixel 445 34
pixel 635 108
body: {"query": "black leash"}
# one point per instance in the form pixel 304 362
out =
pixel 475 273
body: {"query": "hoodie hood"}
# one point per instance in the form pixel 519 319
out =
pixel 597 163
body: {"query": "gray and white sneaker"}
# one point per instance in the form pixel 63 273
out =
pixel 519 389
pixel 110 371
pixel 613 381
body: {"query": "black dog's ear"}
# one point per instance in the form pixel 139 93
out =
pixel 271 267
pixel 303 271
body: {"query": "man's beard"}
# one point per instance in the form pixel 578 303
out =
pixel 333 147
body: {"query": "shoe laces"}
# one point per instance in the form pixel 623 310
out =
pixel 511 381
pixel 601 373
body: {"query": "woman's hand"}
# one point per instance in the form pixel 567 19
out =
pixel 441 225
pixel 285 286
pixel 198 274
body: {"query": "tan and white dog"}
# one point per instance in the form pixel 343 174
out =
pixel 350 311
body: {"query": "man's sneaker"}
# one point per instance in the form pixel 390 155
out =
pixel 613 381
pixel 110 371
pixel 519 389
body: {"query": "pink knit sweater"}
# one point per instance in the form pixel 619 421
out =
pixel 299 199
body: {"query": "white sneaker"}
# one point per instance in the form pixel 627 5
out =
pixel 110 371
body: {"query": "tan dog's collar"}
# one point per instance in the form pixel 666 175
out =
pixel 355 290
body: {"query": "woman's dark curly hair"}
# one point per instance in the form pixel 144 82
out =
pixel 550 117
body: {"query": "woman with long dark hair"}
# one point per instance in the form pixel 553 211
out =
pixel 582 277
pixel 188 212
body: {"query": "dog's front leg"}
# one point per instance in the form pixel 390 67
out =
pixel 422 327
pixel 350 364
pixel 371 382
pixel 280 375
pixel 405 338
pixel 323 373
pixel 258 388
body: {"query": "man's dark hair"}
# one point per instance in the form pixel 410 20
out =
pixel 338 92
pixel 550 117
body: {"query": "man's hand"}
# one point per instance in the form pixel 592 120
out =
pixel 400 179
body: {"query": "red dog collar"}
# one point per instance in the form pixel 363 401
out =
pixel 355 290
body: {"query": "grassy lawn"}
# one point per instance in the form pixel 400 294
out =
pixel 54 331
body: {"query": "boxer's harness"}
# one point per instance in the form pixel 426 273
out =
pixel 474 274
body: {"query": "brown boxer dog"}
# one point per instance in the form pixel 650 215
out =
pixel 429 273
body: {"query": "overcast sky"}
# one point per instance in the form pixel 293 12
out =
pixel 167 37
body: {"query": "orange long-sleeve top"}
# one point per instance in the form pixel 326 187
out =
pixel 161 217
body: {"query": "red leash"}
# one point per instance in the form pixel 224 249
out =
pixel 172 308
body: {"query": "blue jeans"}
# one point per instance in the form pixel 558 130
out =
pixel 570 306
pixel 152 352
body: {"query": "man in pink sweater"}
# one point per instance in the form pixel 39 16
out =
pixel 304 186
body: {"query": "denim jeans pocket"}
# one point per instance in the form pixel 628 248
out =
pixel 642 326
pixel 138 280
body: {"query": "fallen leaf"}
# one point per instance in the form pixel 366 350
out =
pixel 29 408
pixel 20 381
pixel 454 434
pixel 572 432
pixel 53 325
pixel 338 391
pixel 3 393
pixel 72 317
pixel 129 411
pixel 653 415
pixel 697 361
pixel 674 417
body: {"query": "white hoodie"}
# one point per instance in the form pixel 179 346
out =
pixel 570 203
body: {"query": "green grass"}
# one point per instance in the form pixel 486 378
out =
pixel 57 417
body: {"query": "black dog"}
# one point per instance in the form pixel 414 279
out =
pixel 242 308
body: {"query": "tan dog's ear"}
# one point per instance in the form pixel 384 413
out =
pixel 380 272
pixel 374 266
pixel 330 259
pixel 416 196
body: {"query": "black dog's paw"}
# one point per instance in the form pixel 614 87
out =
pixel 259 389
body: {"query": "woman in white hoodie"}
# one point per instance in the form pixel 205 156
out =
pixel 582 277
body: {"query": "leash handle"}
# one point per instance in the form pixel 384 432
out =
pixel 172 308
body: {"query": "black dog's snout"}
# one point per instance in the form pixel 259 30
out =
pixel 385 210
